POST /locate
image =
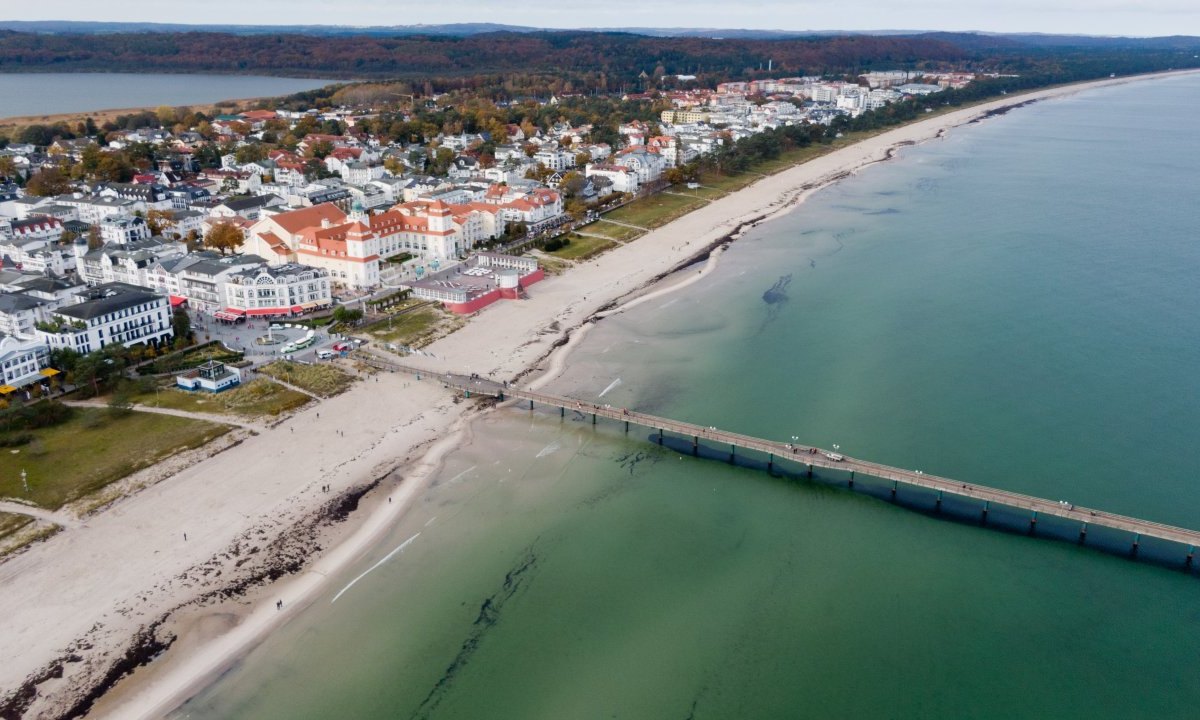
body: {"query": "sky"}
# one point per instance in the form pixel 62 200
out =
pixel 1093 17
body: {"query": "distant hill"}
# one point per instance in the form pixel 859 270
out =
pixel 629 59
pixel 966 39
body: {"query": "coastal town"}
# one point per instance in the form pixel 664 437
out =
pixel 283 214
pixel 272 358
pixel 186 305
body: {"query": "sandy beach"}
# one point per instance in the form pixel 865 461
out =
pixel 91 603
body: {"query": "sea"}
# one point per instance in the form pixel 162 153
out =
pixel 24 94
pixel 1015 304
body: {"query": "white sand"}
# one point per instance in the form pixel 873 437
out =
pixel 129 565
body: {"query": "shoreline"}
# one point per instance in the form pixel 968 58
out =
pixel 547 328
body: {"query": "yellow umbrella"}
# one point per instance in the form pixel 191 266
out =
pixel 6 389
pixel 49 372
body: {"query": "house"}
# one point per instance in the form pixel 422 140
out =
pixel 198 278
pixel 279 291
pixel 122 263
pixel 620 178
pixel 38 227
pixel 113 313
pixel 19 312
pixel 124 230
pixel 249 208
pixel 211 377
pixel 22 360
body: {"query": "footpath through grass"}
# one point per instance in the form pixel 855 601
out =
pixel 654 210
pixel 94 448
pixel 322 379
pixel 257 398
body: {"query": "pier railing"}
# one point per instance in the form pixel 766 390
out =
pixel 811 457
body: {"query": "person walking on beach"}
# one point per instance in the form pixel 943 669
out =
pixel 278 604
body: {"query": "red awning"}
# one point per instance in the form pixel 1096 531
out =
pixel 258 312
pixel 176 301
pixel 228 315
pixel 296 309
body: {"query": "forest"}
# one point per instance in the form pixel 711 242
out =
pixel 620 57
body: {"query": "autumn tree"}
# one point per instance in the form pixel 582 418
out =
pixel 225 237
pixel 48 181
pixel 572 184
pixel 160 221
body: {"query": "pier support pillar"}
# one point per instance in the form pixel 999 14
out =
pixel 986 505
pixel 593 418
pixel 1083 533
pixel 810 470
pixel 1137 540
pixel 1033 522
pixel 851 479
pixel 938 505
pixel 1191 554
pixel 895 484
pixel 626 427
pixel 695 445
pixel 770 462
pixel 732 452
pixel 660 438
pixel 531 405
pixel 562 412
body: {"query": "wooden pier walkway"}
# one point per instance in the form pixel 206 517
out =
pixel 811 457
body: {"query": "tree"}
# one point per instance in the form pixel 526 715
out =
pixel 181 325
pixel 160 221
pixel 346 316
pixel 572 184
pixel 48 181
pixel 321 149
pixel 94 241
pixel 225 237
pixel 166 114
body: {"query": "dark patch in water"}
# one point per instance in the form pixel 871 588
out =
pixel 489 616
pixel 775 297
pixel 777 293
pixel 631 460
pixel 885 211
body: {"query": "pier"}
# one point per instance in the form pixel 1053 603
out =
pixel 810 457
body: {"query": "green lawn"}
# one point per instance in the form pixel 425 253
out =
pixel 409 328
pixel 93 449
pixel 254 399
pixel 655 210
pixel 322 379
pixel 582 248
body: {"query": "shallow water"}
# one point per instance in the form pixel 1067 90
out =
pixel 1014 305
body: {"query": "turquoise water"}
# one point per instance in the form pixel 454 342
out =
pixel 52 93
pixel 1014 305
